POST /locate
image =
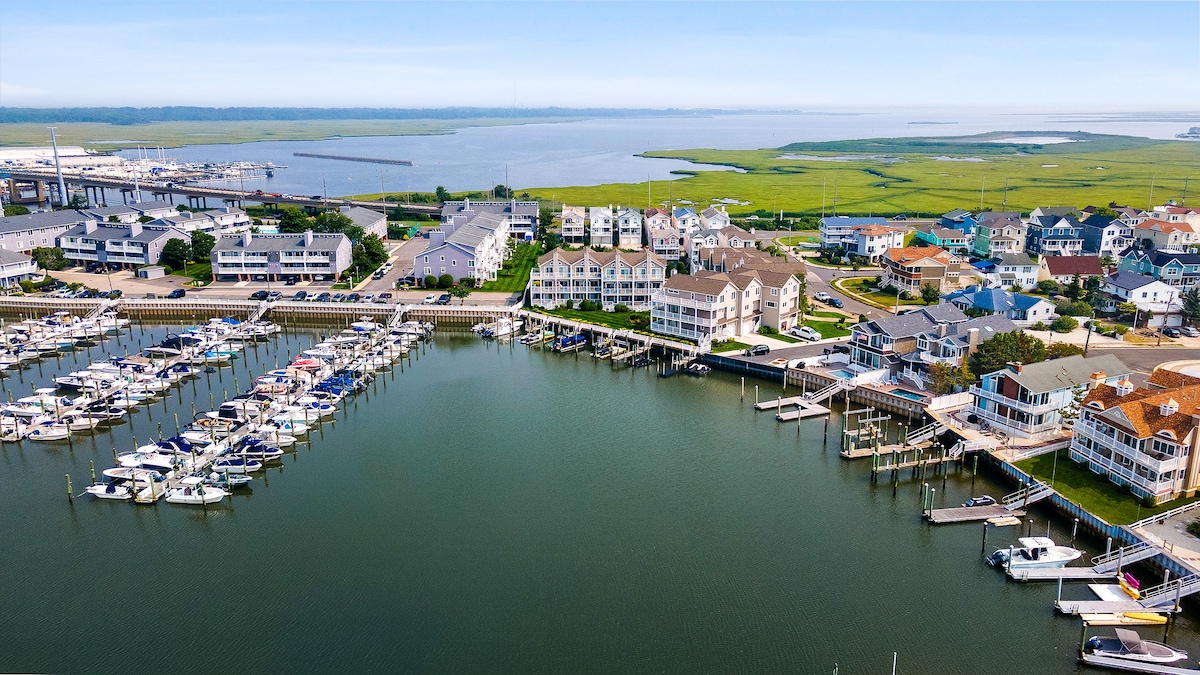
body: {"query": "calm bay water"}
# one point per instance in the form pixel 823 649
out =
pixel 497 509
pixel 594 152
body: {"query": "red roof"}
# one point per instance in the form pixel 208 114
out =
pixel 1070 265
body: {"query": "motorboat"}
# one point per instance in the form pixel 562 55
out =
pixel 81 422
pixel 228 464
pixel 227 481
pixel 140 476
pixel 193 492
pixel 110 491
pixel 697 369
pixel 255 448
pixel 1033 553
pixel 1127 645
pixel 270 433
pixel 49 432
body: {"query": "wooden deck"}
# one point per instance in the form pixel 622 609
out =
pixel 1134 666
pixel 803 411
pixel 969 514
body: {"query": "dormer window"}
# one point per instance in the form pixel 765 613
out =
pixel 1168 408
pixel 1124 388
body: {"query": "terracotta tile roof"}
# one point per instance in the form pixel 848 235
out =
pixel 912 254
pixel 1164 226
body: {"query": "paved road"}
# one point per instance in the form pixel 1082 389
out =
pixel 818 280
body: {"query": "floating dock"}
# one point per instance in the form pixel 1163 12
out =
pixel 349 158
pixel 1064 573
pixel 970 514
pixel 802 408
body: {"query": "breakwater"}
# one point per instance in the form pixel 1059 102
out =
pixel 350 158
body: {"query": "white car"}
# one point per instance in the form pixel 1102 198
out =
pixel 430 299
pixel 805 333
pixel 821 297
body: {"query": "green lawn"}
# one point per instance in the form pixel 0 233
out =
pixel 729 346
pixel 637 321
pixel 198 271
pixel 858 287
pixel 798 239
pixel 822 314
pixel 1093 169
pixel 782 337
pixel 828 329
pixel 514 276
pixel 1113 503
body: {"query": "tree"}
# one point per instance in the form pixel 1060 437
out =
pixel 1003 348
pixel 502 192
pixel 1064 324
pixel 50 258
pixel 77 202
pixel 1047 286
pixel 293 220
pixel 1074 290
pixel 144 219
pixel 802 304
pixel 445 281
pixel 461 291
pixel 202 245
pixel 1060 350
pixel 1126 309
pixel 1191 304
pixel 1105 211
pixel 176 253
pixel 430 281
pixel 333 221
pixel 15 210
pixel 929 293
pixel 944 378
pixel 442 194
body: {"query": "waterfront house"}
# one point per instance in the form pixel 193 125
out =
pixel 1013 269
pixel 1028 401
pixel 519 218
pixel 871 241
pixel 951 240
pixel 685 221
pixel 1105 235
pixel 1173 268
pixel 1062 269
pixel 609 278
pixel 1144 438
pixel 1021 309
pixel 372 222
pixel 1051 234
pixel 37 230
pixel 574 220
pixel 600 220
pixel 475 249
pixel 129 245
pixel 838 231
pixel 714 219
pixel 907 269
pixel 707 306
pixel 629 228
pixel 905 345
pixel 16 267
pixel 1150 295
pixel 306 255
pixel 998 233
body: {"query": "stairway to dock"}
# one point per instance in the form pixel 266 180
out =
pixel 1113 560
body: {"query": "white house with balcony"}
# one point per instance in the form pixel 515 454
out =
pixel 600 219
pixel 573 219
pixel 248 256
pixel 629 228
pixel 1142 438
pixel 685 220
pixel 838 231
pixel 1160 300
pixel 707 306
pixel 1029 400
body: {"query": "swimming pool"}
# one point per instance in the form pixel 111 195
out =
pixel 842 374
pixel 907 394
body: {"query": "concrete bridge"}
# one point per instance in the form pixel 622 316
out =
pixel 45 182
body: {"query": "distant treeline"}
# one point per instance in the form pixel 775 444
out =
pixel 197 114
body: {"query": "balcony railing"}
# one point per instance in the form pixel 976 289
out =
pixel 1013 403
pixel 1127 474
pixel 1150 461
pixel 1012 423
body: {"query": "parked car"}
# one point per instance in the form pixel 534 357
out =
pixel 324 297
pixel 339 297
pixel 273 296
pixel 805 333
pixel 981 500
pixel 407 281
pixel 377 275
pixel 443 299
pixel 177 293
pixel 899 216
pixel 369 297
pixel 430 299
pixel 834 302
pixel 291 281
pixel 353 297
pixel 1172 332
pixel 821 297
pixel 300 295
pixel 258 295
pixel 758 350
pixel 384 298
pixel 1189 331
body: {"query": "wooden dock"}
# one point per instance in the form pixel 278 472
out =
pixel 1099 606
pixel 970 514
pixel 1135 666
pixel 804 410
pixel 1064 573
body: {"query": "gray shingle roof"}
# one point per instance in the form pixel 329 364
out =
pixel 1065 373
pixel 33 221
pixel 280 242
pixel 104 233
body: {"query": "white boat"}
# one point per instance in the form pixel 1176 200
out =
pixel 1034 553
pixel 1127 645
pixel 81 422
pixel 110 491
pixel 235 465
pixel 49 432
pixel 140 476
pixel 193 491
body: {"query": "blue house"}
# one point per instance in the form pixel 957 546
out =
pixel 1054 235
pixel 960 220
pixel 976 300
pixel 1173 268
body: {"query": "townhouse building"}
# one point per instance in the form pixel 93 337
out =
pixel 17 267
pixel 907 269
pixel 128 213
pixel 629 228
pixel 609 278
pixel 1152 233
pixel 129 245
pixel 24 233
pixel 600 230
pixel 519 218
pixel 1028 401
pixel 707 306
pixel 372 222
pixel 466 250
pixel 1173 268
pixel 307 256
pixel 574 225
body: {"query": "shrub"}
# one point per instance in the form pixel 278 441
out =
pixel 430 281
pixel 1041 325
pixel 1121 330
pixel 445 281
pixel 1048 286
pixel 1077 308
pixel 26 285
pixel 571 303
pixel 621 309
pixel 638 320
pixel 767 330
pixel 878 280
pixel 1193 528
pixel 1064 324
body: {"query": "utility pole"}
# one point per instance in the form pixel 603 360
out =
pixel 823 197
pixel 62 186
pixel 982 182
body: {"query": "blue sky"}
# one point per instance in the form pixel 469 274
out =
pixel 1069 56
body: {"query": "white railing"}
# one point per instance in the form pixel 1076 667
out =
pixel 1031 408
pixel 1165 515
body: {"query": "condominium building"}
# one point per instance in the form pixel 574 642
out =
pixel 306 256
pixel 707 306
pixel 519 218
pixel 610 278
pixel 600 219
pixel 629 228
pixel 475 249
pixel 126 244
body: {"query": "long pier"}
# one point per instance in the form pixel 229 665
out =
pixel 350 158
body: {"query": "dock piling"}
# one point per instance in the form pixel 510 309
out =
pixel 70 493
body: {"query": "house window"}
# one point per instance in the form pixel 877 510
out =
pixel 770 304
pixel 774 291
pixel 454 263
pixel 426 258
pixel 470 263
pixel 428 271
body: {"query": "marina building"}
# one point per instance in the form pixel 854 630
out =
pixel 307 256
pixel 1144 438
pixel 1029 401
pixel 574 225
pixel 610 278
pixel 466 250
pixel 126 244
pixel 519 218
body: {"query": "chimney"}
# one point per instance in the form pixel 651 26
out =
pixel 1014 366
pixel 437 238
pixel 941 329
pixel 89 226
pixel 1097 379
pixel 246 237
pixel 308 237
pixel 466 204
pixel 972 340
pixel 135 228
